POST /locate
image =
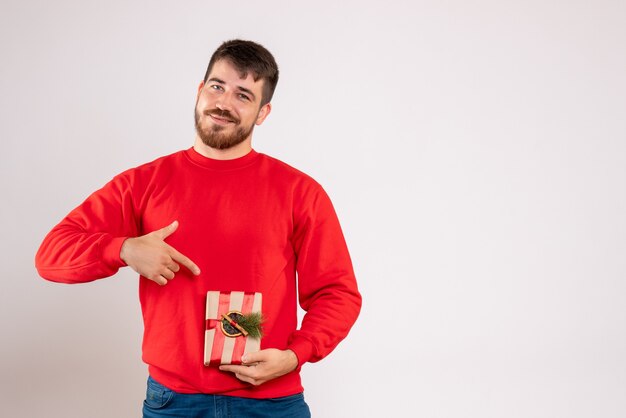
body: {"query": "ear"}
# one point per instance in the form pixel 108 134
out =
pixel 199 90
pixel 263 113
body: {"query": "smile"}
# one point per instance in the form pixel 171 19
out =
pixel 220 120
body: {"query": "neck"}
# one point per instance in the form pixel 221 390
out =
pixel 237 151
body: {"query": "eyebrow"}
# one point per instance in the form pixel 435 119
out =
pixel 240 88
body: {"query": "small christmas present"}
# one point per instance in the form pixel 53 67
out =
pixel 233 326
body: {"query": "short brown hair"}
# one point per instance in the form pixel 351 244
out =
pixel 248 56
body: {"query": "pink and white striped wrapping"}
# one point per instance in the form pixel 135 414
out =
pixel 218 348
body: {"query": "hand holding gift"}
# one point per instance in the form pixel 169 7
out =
pixel 264 365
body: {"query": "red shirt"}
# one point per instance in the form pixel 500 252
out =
pixel 250 224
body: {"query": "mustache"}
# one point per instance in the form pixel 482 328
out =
pixel 224 114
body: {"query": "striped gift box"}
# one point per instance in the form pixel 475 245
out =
pixel 220 348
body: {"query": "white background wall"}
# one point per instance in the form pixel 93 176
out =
pixel 475 152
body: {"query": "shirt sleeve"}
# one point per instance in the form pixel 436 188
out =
pixel 86 244
pixel 326 282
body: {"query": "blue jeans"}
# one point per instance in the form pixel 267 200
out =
pixel 163 402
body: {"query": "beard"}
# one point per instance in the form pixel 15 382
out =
pixel 214 136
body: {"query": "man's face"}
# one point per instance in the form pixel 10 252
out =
pixel 228 107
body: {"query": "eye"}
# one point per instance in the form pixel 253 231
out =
pixel 217 87
pixel 244 97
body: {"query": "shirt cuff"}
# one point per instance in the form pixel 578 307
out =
pixel 303 349
pixel 111 252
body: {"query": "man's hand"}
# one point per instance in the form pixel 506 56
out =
pixel 150 256
pixel 264 365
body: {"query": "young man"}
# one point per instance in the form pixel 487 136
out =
pixel 219 217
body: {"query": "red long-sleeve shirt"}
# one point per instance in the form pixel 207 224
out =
pixel 249 224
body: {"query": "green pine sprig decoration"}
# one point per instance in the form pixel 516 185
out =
pixel 253 323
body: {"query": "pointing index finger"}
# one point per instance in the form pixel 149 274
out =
pixel 185 261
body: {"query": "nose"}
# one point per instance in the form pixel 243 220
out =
pixel 223 101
